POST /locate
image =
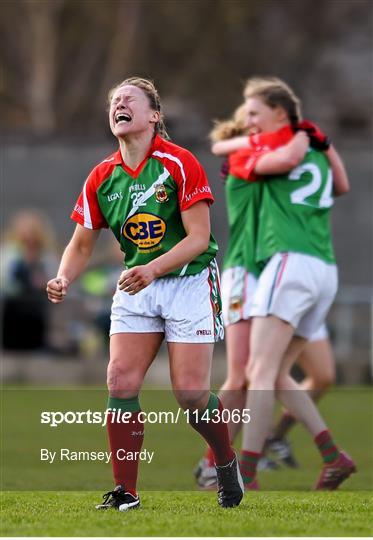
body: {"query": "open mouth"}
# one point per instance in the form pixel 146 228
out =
pixel 122 117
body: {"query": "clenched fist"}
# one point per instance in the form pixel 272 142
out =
pixel 57 289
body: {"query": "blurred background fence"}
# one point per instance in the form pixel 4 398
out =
pixel 59 58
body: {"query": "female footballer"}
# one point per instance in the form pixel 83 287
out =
pixel 155 197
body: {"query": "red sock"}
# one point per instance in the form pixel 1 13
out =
pixel 125 437
pixel 215 433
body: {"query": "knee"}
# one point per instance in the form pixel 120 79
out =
pixel 122 380
pixel 192 399
pixel 191 389
pixel 324 380
pixel 260 375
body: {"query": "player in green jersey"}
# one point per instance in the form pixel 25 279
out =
pixel 155 197
pixel 298 284
pixel 239 282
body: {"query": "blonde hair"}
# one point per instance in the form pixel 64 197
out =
pixel 149 89
pixel 275 93
pixel 226 129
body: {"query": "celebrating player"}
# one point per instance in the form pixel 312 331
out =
pixel 298 284
pixel 239 281
pixel 155 198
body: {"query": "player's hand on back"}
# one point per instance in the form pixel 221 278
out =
pixel 318 139
pixel 135 279
pixel 57 289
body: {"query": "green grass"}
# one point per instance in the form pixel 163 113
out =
pixel 189 514
pixel 41 499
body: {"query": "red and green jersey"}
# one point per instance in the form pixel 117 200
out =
pixel 143 207
pixel 243 199
pixel 295 211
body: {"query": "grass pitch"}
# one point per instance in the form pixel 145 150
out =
pixel 286 506
pixel 189 514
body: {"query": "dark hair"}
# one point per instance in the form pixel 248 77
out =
pixel 275 93
pixel 148 87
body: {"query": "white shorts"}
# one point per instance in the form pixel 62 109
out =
pixel 320 334
pixel 237 292
pixel 298 289
pixel 186 309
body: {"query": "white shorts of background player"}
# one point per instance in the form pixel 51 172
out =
pixel 298 289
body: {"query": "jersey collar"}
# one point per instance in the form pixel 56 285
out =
pixel 118 160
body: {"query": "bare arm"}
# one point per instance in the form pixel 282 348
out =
pixel 284 159
pixel 196 221
pixel 223 148
pixel 341 183
pixel 73 262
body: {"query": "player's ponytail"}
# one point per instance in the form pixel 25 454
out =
pixel 234 127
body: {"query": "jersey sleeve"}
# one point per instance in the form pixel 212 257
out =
pixel 87 211
pixel 243 166
pixel 193 185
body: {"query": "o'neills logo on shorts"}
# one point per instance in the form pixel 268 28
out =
pixel 203 332
pixel 144 230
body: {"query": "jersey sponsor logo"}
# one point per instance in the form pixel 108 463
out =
pixel 137 187
pixel 115 196
pixel 161 194
pixel 197 191
pixel 203 332
pixel 79 209
pixel 144 230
